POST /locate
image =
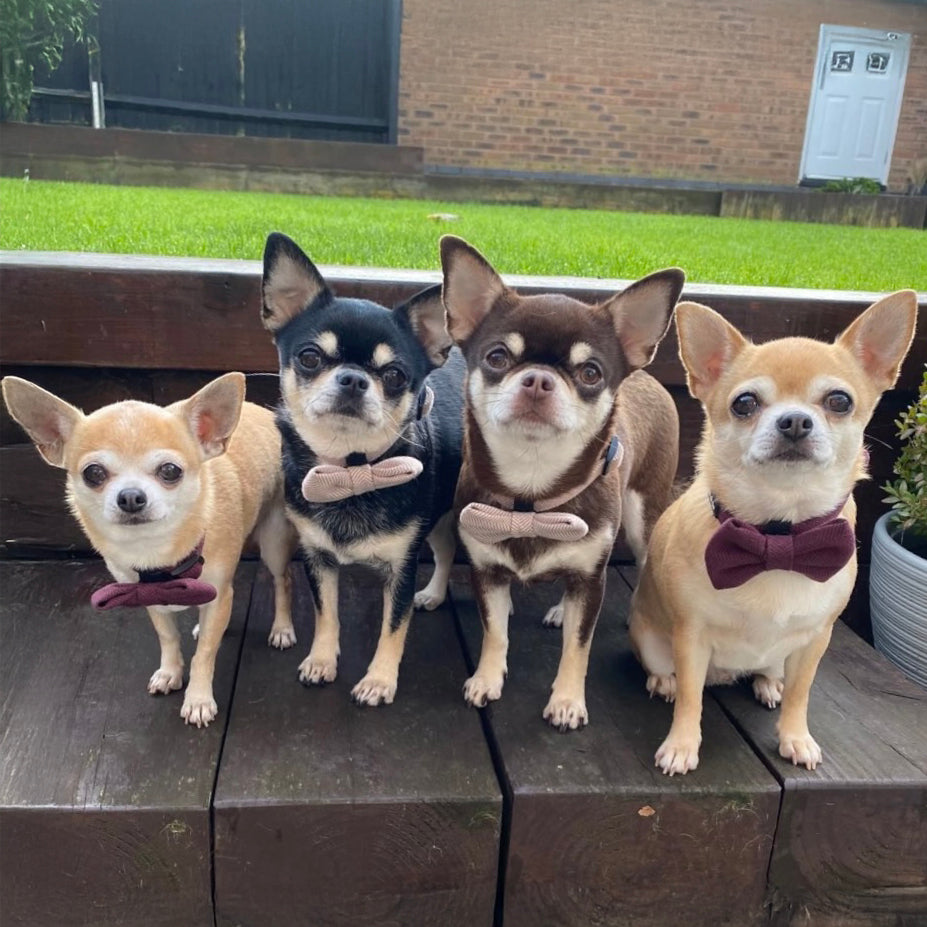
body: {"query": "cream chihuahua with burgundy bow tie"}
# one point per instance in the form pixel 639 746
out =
pixel 748 570
pixel 564 439
pixel 168 496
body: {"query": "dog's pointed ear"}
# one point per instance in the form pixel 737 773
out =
pixel 707 345
pixel 425 315
pixel 641 314
pixel 291 282
pixel 48 420
pixel 471 287
pixel 212 414
pixel 879 338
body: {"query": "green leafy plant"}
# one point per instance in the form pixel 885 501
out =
pixel 33 32
pixel 852 185
pixel 908 493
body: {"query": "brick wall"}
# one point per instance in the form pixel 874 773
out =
pixel 706 90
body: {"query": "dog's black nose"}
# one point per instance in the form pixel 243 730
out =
pixel 131 501
pixel 353 381
pixel 794 425
pixel 537 382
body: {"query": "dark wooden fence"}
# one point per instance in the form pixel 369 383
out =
pixel 321 70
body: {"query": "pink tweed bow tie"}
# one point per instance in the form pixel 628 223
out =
pixel 489 524
pixel 331 483
pixel 817 548
pixel 177 585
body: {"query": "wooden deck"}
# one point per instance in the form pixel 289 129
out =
pixel 295 806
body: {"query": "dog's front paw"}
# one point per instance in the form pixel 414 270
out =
pixel 678 754
pixel 165 680
pixel 427 599
pixel 664 686
pixel 767 691
pixel 316 671
pixel 801 749
pixel 198 709
pixel 554 617
pixel 479 690
pixel 374 690
pixel 282 638
pixel 566 713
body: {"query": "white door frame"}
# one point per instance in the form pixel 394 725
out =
pixel 901 46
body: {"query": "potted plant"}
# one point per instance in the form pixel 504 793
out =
pixel 898 577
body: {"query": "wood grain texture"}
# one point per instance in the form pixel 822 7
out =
pixel 851 846
pixel 331 814
pixel 104 792
pixel 597 835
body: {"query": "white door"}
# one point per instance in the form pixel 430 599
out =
pixel 855 101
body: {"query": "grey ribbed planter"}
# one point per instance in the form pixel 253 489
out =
pixel 898 603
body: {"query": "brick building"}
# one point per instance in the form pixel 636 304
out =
pixel 715 90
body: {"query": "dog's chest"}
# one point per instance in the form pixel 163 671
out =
pixel 760 623
pixel 372 544
pixel 536 559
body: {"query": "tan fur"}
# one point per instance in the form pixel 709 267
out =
pixel 778 624
pixel 232 488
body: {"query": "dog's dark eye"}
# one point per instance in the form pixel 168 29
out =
pixel 498 358
pixel 94 475
pixel 393 379
pixel 310 358
pixel 745 405
pixel 169 473
pixel 838 402
pixel 590 374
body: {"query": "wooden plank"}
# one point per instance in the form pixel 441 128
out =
pixel 359 816
pixel 137 307
pixel 596 834
pixel 851 846
pixel 104 792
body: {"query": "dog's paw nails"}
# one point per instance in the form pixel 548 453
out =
pixel 281 638
pixel 374 690
pixel 677 756
pixel 199 711
pixel 428 600
pixel 164 681
pixel 566 713
pixel 554 617
pixel 664 686
pixel 316 671
pixel 478 690
pixel 767 691
pixel 801 749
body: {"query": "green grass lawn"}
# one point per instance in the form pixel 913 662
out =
pixel 516 239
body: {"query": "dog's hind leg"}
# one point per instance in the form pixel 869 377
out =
pixel 379 684
pixel 443 544
pixel 276 540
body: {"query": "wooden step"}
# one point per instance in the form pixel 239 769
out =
pixel 328 813
pixel 104 792
pixel 598 835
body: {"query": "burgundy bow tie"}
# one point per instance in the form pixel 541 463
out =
pixel 177 585
pixel 817 548
pixel 490 525
pixel 331 483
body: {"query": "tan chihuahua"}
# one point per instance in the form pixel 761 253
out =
pixel 749 569
pixel 168 496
